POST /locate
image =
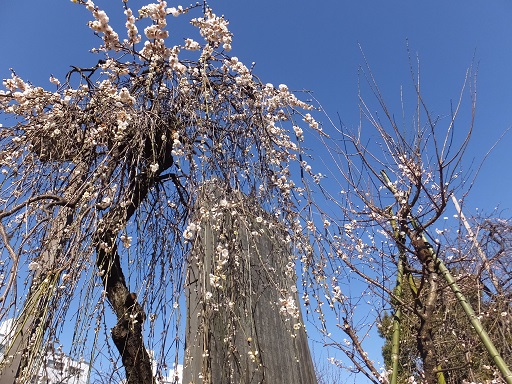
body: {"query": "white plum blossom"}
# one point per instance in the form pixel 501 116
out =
pixel 192 45
pixel 298 131
pixel 312 122
pixel 174 11
pixel 336 294
pixel 190 231
pixel 127 241
pixel 101 24
pixel 34 266
pixel 131 28
pixel 288 307
pixel 125 97
pixel 155 32
pixel 214 29
pixel 55 81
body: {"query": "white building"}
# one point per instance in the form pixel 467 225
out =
pixel 55 366
pixel 175 376
pixel 58 368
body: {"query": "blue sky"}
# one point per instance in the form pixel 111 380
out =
pixel 314 45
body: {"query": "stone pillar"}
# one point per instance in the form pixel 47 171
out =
pixel 243 315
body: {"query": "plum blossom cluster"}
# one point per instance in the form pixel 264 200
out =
pixel 190 231
pixel 288 307
pixel 410 168
pixel 101 25
pixel 132 30
pixel 192 45
pixel 157 13
pixel 214 30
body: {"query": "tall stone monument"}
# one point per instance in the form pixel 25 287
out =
pixel 244 324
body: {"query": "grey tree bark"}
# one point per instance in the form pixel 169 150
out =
pixel 243 317
pixel 24 340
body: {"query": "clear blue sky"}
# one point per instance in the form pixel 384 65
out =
pixel 314 45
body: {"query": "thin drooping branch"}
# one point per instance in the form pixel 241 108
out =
pixel 28 330
pixel 243 321
pixel 349 331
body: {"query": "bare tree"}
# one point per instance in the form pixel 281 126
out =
pixel 457 346
pixel 392 188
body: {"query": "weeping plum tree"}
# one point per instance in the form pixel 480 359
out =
pixel 99 177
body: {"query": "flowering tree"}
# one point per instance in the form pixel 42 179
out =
pixel 99 176
pixel 383 247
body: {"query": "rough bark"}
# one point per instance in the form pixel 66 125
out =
pixel 425 335
pixel 425 311
pixel 239 335
pixel 28 329
pixel 127 333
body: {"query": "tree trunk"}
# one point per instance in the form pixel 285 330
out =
pixel 425 335
pixel 25 338
pixel 242 326
pixel 127 333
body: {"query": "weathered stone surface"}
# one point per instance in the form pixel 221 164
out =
pixel 239 334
